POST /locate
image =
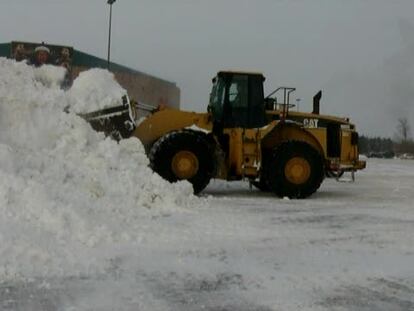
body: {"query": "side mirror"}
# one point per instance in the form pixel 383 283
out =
pixel 124 100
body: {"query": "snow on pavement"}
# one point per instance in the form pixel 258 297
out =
pixel 349 247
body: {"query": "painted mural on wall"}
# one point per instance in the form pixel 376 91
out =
pixel 38 54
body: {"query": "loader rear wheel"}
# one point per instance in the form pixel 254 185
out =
pixel 295 170
pixel 183 155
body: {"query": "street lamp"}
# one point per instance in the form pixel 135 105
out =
pixel 110 2
pixel 298 100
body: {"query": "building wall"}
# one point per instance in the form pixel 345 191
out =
pixel 148 90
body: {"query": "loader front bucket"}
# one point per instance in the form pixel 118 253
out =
pixel 117 122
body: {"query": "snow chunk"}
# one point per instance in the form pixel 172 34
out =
pixel 95 89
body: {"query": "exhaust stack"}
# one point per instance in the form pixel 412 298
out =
pixel 316 102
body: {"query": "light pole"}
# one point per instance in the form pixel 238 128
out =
pixel 298 100
pixel 110 2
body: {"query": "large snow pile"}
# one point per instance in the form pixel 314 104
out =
pixel 67 194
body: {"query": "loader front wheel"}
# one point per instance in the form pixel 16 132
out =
pixel 183 155
pixel 295 170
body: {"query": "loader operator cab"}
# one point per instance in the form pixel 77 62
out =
pixel 237 100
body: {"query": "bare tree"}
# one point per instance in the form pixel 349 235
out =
pixel 403 129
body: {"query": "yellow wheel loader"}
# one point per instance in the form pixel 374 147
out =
pixel 247 136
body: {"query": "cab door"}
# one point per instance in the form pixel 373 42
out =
pixel 244 106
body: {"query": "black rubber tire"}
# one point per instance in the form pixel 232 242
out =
pixel 163 151
pixel 275 174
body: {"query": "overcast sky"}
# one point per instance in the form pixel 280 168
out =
pixel 359 52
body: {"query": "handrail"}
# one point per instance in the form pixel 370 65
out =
pixel 286 99
pixel 291 89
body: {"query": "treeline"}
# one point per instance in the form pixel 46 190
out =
pixel 376 147
pixel 404 148
pixel 384 147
